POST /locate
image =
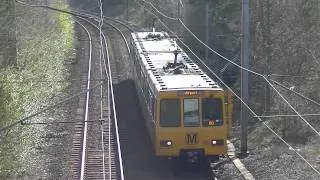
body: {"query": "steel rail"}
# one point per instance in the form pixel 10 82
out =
pixel 124 38
pixel 114 109
pixel 109 75
pixel 85 128
pixel 120 22
pixel 101 106
pixel 92 14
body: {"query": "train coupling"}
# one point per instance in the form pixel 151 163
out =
pixel 192 156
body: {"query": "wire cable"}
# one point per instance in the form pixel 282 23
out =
pixel 288 76
pixel 46 109
pixel 285 115
pixel 299 94
pixel 313 56
pixel 238 97
pixel 61 122
pixel 314 129
pixel 168 17
pixel 44 81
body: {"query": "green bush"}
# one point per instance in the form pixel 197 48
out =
pixel 40 57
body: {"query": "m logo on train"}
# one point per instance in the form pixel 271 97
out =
pixel 191 138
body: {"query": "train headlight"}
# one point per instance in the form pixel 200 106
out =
pixel 165 143
pixel 216 142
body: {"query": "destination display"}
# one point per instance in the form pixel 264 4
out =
pixel 190 93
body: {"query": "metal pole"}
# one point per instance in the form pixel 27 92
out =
pixel 178 27
pixel 207 30
pixel 244 74
pixel 127 10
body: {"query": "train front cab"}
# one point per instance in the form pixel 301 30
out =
pixel 191 124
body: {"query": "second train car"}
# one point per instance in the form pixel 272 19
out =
pixel 187 113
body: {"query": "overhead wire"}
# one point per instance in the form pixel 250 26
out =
pixel 287 102
pixel 61 122
pixel 295 92
pixel 288 76
pixel 285 115
pixel 313 56
pixel 46 109
pixel 47 7
pixel 43 81
pixel 239 66
pixel 164 15
pixel 238 97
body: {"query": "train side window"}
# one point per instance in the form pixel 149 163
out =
pixel 170 113
pixel 212 112
pixel 191 112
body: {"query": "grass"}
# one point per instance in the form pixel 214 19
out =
pixel 39 58
pixel 65 24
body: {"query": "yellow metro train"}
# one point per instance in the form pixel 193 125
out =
pixel 187 114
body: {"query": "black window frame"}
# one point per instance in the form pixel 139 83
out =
pixel 220 116
pixel 178 124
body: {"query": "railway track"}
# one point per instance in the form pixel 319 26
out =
pixel 96 151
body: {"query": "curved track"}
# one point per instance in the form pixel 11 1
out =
pixel 97 135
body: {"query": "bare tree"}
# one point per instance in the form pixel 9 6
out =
pixel 7 34
pixel 285 39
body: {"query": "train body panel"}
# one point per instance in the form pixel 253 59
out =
pixel 185 110
pixel 188 140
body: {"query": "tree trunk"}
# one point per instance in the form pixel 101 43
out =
pixel 8 52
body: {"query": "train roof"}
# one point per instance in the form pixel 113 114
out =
pixel 156 50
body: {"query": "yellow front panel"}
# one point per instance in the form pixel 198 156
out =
pixel 183 137
pixel 181 140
